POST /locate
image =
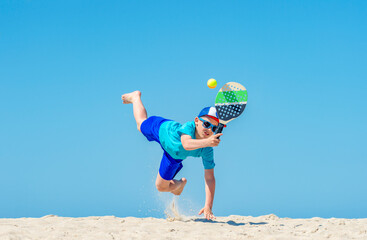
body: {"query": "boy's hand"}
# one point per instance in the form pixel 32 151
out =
pixel 207 213
pixel 214 140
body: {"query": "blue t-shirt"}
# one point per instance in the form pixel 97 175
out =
pixel 170 137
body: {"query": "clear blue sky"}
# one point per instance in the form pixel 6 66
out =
pixel 69 147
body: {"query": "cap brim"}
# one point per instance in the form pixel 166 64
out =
pixel 216 119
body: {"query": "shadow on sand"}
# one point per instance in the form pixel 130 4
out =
pixel 230 222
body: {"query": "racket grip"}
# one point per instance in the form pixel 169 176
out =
pixel 220 128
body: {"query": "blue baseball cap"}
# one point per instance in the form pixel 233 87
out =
pixel 209 112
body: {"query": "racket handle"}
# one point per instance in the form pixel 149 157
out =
pixel 220 128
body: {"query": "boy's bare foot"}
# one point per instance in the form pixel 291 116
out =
pixel 130 97
pixel 180 187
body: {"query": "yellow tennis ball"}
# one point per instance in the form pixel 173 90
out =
pixel 212 83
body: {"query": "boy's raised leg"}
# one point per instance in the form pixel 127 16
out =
pixel 174 186
pixel 140 113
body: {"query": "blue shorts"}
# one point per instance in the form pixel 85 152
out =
pixel 169 166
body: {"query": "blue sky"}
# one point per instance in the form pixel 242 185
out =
pixel 69 147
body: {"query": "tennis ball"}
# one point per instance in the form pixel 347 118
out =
pixel 212 83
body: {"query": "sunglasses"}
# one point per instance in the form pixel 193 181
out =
pixel 207 124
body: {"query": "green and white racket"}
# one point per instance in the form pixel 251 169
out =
pixel 230 102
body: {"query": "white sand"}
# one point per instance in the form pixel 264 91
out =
pixel 231 227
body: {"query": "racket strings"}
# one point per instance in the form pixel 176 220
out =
pixel 229 111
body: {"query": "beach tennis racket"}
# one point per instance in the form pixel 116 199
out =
pixel 230 103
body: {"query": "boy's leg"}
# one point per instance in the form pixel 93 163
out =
pixel 174 186
pixel 140 114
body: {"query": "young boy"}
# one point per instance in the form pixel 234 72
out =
pixel 178 141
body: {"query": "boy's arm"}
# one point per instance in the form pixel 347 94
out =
pixel 209 193
pixel 191 144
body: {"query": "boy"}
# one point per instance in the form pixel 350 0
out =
pixel 178 142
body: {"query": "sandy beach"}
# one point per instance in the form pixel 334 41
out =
pixel 231 227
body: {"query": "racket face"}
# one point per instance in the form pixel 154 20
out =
pixel 231 101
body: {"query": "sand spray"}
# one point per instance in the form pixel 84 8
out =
pixel 179 209
pixel 172 211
